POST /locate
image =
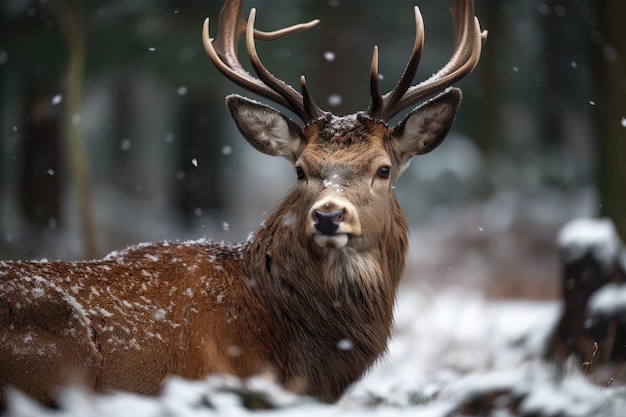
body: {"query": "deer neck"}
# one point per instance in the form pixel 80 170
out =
pixel 331 306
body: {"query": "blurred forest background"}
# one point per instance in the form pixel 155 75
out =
pixel 113 128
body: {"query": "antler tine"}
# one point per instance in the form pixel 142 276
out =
pixel 407 76
pixel 467 47
pixel 377 100
pixel 379 103
pixel 312 110
pixel 459 66
pixel 223 53
pixel 296 102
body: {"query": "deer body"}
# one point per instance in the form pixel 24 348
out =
pixel 315 318
pixel 307 299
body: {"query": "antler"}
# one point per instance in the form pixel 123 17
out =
pixel 223 53
pixel 467 46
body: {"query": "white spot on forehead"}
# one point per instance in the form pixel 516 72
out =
pixel 330 183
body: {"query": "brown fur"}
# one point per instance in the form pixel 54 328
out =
pixel 314 317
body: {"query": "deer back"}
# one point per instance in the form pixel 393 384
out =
pixel 128 321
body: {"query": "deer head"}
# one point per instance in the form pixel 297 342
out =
pixel 345 165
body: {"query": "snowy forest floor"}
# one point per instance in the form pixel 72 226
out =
pixel 453 353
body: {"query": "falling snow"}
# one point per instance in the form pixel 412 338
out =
pixel 126 144
pixel 345 344
pixel 334 100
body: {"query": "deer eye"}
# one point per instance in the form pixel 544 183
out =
pixel 300 173
pixel 383 172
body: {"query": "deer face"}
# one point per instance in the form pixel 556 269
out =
pixel 344 175
pixel 345 166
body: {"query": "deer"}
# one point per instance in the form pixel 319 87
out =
pixel 307 300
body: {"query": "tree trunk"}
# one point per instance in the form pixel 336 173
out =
pixel 40 183
pixel 70 16
pixel 609 60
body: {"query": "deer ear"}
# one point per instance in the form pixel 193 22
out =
pixel 268 130
pixel 425 127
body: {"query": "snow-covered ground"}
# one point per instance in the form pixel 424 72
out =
pixel 453 352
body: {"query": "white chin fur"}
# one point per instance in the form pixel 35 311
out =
pixel 336 241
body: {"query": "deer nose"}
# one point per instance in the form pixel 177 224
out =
pixel 328 222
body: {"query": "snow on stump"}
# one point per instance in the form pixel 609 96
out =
pixel 592 328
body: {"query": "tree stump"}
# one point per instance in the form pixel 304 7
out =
pixel 592 327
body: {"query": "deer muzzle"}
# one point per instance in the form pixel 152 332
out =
pixel 332 221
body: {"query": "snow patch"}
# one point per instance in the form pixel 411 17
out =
pixel 595 236
pixel 37 292
pixel 609 300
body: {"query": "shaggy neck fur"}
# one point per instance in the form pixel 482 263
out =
pixel 331 309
